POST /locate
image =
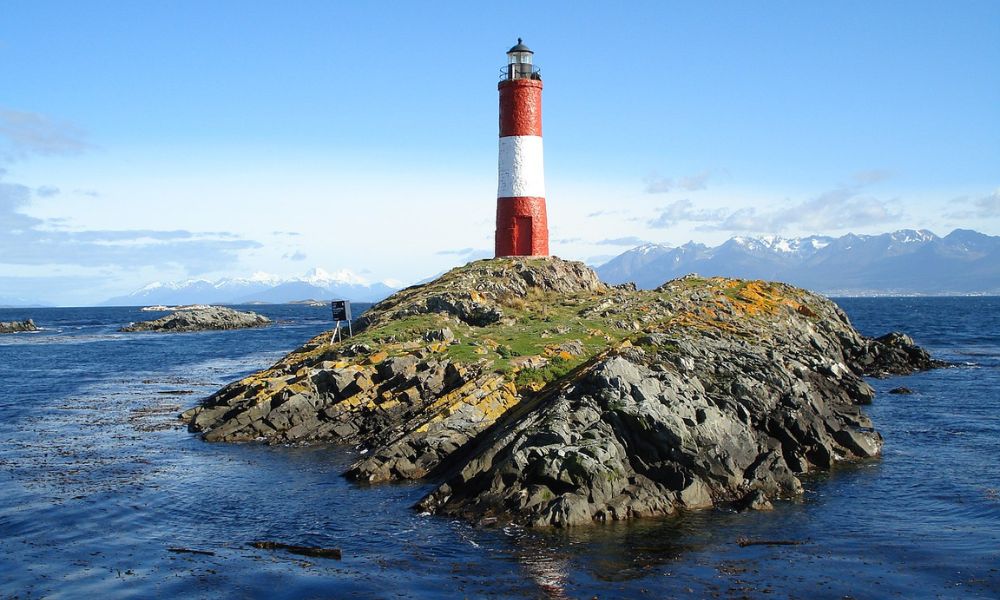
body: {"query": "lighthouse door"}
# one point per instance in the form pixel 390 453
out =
pixel 522 236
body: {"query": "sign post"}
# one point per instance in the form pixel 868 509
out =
pixel 341 312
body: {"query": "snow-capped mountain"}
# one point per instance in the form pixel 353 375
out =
pixel 259 287
pixel 902 262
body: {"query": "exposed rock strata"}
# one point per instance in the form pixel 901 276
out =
pixel 536 393
pixel 17 326
pixel 201 319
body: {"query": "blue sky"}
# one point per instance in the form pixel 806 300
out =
pixel 144 141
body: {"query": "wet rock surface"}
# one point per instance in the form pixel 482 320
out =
pixel 201 319
pixel 535 393
pixel 894 353
pixel 17 326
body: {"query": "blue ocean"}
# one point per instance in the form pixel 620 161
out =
pixel 103 494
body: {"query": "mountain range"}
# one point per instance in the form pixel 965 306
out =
pixel 905 262
pixel 19 302
pixel 258 288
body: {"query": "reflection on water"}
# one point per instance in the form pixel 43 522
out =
pixel 98 483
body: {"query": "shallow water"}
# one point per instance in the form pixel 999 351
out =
pixel 97 484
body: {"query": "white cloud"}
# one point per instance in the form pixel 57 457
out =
pixel 655 184
pixel 871 176
pixel 27 240
pixel 630 240
pixel 598 260
pixel 25 133
pixel 985 207
pixel 841 208
pixel 659 185
pixel 683 210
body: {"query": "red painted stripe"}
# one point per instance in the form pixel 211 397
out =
pixel 520 107
pixel 522 227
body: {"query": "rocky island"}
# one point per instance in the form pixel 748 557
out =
pixel 17 326
pixel 201 318
pixel 530 391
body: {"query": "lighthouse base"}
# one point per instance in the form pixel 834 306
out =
pixel 522 227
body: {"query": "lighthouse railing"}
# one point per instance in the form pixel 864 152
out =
pixel 520 71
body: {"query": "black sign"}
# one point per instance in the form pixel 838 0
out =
pixel 341 310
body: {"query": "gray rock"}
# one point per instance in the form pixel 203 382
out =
pixel 403 367
pixel 17 326
pixel 201 319
pixel 894 353
pixel 440 335
pixel 755 500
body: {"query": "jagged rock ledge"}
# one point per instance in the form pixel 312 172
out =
pixel 201 319
pixel 17 326
pixel 533 392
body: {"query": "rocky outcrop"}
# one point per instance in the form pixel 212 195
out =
pixel 476 296
pixel 535 393
pixel 894 353
pixel 17 326
pixel 201 319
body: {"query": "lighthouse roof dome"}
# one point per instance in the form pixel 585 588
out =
pixel 520 47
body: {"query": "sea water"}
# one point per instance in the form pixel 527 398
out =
pixel 102 493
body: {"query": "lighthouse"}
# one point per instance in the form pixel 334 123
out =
pixel 522 227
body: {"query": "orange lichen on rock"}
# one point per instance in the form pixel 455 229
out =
pixel 752 298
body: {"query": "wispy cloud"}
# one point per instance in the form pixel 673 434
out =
pixel 467 254
pixel 871 176
pixel 27 240
pixel 841 208
pixel 605 213
pixel 659 185
pixel 456 252
pixel 985 207
pixel 693 183
pixel 623 241
pixel 598 260
pixel 460 251
pixel 297 255
pixel 656 184
pixel 684 210
pixel 26 133
pixel 46 191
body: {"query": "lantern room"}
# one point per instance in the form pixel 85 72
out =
pixel 519 63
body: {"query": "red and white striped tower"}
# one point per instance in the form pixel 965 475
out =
pixel 522 227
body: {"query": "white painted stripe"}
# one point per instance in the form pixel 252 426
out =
pixel 522 171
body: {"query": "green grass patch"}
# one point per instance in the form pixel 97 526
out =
pixel 556 368
pixel 734 293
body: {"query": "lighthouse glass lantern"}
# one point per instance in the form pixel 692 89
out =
pixel 519 62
